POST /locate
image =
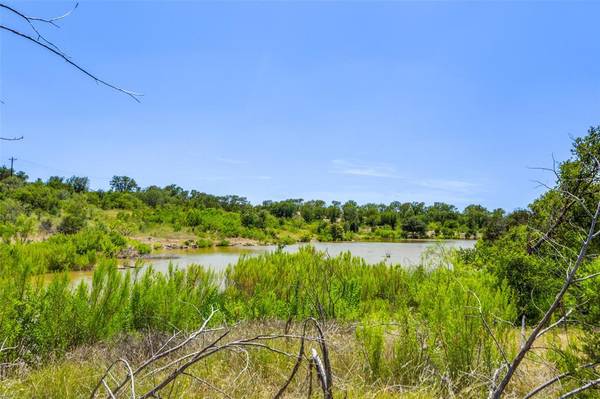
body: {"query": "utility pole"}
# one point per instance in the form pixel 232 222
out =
pixel 12 159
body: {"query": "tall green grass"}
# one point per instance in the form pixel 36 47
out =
pixel 49 318
pixel 412 323
pixel 61 252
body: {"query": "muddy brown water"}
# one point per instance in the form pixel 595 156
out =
pixel 407 253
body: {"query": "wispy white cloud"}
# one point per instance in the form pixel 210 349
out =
pixel 351 168
pixel 230 161
pixel 415 188
pixel 212 178
pixel 232 178
pixel 454 191
pixel 362 196
pixel 448 185
pixel 431 196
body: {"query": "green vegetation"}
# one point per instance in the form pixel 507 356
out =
pixel 35 210
pixel 441 329
pixel 51 319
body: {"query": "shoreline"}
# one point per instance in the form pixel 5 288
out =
pixel 169 245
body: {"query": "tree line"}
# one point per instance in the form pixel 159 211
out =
pixel 70 203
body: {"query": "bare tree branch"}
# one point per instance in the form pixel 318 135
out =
pixel 548 383
pixel 581 389
pixel 180 364
pixel 52 21
pixel 569 279
pixel 41 41
pixel 30 21
pixel 583 182
pixel 556 323
pixel 587 277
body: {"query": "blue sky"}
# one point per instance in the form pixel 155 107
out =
pixel 360 100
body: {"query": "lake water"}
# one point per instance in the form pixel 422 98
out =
pixel 407 253
pixel 404 253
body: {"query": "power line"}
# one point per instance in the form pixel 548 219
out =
pixel 63 171
pixel 12 159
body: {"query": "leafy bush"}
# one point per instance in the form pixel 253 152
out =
pixel 532 278
pixel 63 252
pixel 141 248
pixel 52 318
pixel 204 243
pixel 223 243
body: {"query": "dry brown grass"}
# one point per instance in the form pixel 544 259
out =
pixel 254 373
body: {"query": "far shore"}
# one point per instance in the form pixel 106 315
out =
pixel 163 247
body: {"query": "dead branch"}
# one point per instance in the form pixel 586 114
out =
pixel 52 21
pixel 569 280
pixel 548 383
pixel 110 393
pixel 102 381
pixel 296 365
pixel 30 21
pixel 587 277
pixel 180 364
pixel 181 369
pixel 556 323
pixel 582 183
pixel 322 371
pixel 42 42
pixel 328 392
pixel 209 350
pixel 163 352
pixel 581 389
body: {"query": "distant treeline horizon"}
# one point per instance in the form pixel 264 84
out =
pixel 173 205
pixel 5 170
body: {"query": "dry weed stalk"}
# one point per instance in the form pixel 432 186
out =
pixel 180 355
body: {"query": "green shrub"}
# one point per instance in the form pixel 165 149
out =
pixel 372 339
pixel 141 248
pixel 204 243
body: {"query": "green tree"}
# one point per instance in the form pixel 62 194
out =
pixel 153 196
pixel 253 219
pixel 5 173
pixel 56 182
pixel 389 218
pixel 76 215
pixel 350 216
pixel 414 227
pixel 475 217
pixel 337 232
pixel 370 215
pixel 123 184
pixel 334 212
pixel 78 184
pixel 495 226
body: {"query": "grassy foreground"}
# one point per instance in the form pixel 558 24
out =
pixel 390 330
pixel 426 332
pixel 257 373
